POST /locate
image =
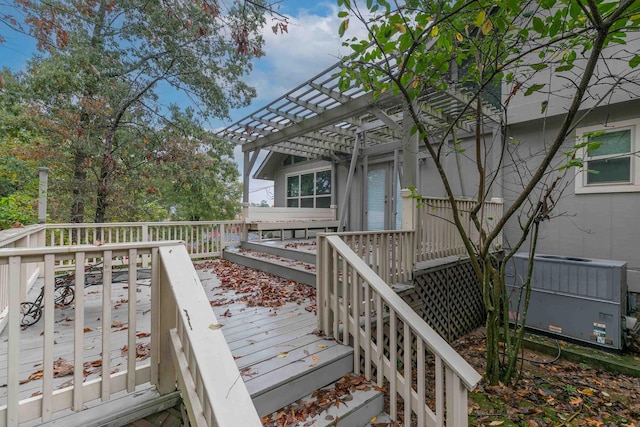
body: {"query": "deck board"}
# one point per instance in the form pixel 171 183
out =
pixel 256 336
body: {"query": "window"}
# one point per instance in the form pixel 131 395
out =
pixel 612 166
pixel 309 190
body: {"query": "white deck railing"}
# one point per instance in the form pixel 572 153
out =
pixel 202 238
pixel 357 307
pixel 436 234
pixel 388 253
pixel 181 334
pixel 212 388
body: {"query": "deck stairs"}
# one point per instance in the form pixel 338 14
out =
pixel 293 385
pixel 293 260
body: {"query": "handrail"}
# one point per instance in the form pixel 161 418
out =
pixel 20 407
pixel 388 253
pixel 436 234
pixel 208 377
pixel 12 235
pixel 184 338
pixel 352 301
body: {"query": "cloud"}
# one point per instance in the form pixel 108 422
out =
pixel 311 45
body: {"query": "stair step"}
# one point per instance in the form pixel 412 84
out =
pixel 286 268
pixel 297 250
pixel 356 409
pixel 290 382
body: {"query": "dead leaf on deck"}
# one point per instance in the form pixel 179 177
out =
pixel 283 354
pixel 87 330
pixel 216 326
pixel 143 334
pixel 117 324
pixel 321 346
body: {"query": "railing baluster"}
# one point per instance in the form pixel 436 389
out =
pixel 78 333
pixel 393 365
pixel 420 361
pixel 439 392
pixel 367 331
pixel 48 339
pixel 13 353
pixel 379 340
pixel 132 305
pixel 106 324
pixel 356 306
pixel 408 378
pixel 344 307
pixel 334 299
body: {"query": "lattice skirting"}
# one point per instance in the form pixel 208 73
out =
pixel 450 298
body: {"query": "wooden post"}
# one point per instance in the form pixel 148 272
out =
pixel 167 321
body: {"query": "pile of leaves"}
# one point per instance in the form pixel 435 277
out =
pixel 555 394
pixel 299 412
pixel 256 288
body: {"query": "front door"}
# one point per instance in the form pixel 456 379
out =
pixel 384 206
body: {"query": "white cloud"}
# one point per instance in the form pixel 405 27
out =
pixel 311 45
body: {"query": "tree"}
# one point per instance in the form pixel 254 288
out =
pixel 479 46
pixel 18 167
pixel 104 64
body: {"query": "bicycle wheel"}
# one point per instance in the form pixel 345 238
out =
pixel 31 313
pixel 63 295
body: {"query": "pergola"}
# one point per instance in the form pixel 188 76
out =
pixel 317 120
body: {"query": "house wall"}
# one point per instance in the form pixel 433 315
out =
pixel 560 87
pixel 604 226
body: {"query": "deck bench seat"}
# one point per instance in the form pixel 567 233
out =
pixel 293 226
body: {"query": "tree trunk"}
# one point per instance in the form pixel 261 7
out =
pixel 78 193
pixel 107 167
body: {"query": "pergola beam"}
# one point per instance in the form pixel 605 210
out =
pixel 340 113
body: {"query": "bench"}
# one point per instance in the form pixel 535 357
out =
pixel 263 219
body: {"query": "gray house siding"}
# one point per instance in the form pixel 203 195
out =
pixel 600 225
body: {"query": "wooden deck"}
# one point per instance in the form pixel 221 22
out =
pixel 270 346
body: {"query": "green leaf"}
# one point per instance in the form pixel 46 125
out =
pixel 635 61
pixel 540 66
pixel 343 27
pixel 480 18
pixel 533 88
pixel 538 25
pixel 343 14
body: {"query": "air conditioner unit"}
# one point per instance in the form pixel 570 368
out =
pixel 576 298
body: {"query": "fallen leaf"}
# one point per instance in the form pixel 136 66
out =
pixel 314 358
pixel 322 346
pixel 587 391
pixel 216 326
pixel 496 423
pixel 283 354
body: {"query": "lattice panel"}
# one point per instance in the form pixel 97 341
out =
pixel 451 299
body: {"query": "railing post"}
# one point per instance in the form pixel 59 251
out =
pixel 145 238
pixel 497 204
pixel 410 221
pixel 223 238
pixel 167 320
pixel 245 222
pixel 456 396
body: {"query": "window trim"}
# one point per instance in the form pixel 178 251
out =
pixel 314 171
pixel 581 186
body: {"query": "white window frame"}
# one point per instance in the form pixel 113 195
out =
pixel 581 186
pixel 305 172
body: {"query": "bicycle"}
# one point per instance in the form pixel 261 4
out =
pixel 63 293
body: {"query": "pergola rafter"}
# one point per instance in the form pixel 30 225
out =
pixel 317 120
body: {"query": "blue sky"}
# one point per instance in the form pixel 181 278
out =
pixel 311 45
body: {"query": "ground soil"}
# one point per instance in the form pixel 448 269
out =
pixel 556 394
